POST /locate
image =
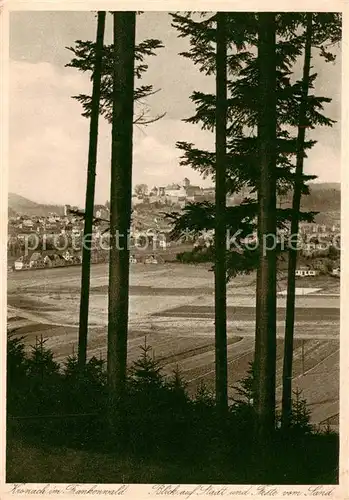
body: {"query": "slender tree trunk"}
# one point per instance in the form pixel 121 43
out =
pixel 292 252
pixel 120 203
pixel 266 298
pixel 90 194
pixel 257 336
pixel 220 228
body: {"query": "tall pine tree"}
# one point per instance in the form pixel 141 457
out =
pixel 243 161
pixel 98 59
pixel 120 205
pixel 325 29
pixel 265 353
pixel 220 226
pixel 292 252
pixel 90 192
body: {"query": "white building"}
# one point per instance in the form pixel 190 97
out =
pixel 336 272
pixel 28 223
pixel 175 191
pixel 151 260
pixel 302 273
pixel 19 264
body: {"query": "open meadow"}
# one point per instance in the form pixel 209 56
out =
pixel 171 305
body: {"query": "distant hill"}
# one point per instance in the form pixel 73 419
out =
pixel 316 186
pixel 11 212
pixel 22 206
pixel 325 198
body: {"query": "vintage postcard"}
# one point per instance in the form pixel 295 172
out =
pixel 173 228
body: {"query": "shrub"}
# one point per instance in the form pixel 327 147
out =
pixel 16 374
pixel 242 407
pixel 146 371
pixel 196 256
pixel 300 415
pixel 163 423
pixel 85 391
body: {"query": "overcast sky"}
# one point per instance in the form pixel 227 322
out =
pixel 49 137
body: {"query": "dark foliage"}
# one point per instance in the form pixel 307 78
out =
pixel 56 405
pixel 83 60
pixel 243 162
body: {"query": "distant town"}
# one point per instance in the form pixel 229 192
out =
pixel 55 240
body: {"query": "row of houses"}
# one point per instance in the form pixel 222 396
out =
pixel 312 227
pixel 306 272
pixel 53 223
pixel 19 227
pixel 150 259
pixel 41 260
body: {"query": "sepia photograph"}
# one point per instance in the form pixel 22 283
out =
pixel 173 250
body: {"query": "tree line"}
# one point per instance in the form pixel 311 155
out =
pixel 261 114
